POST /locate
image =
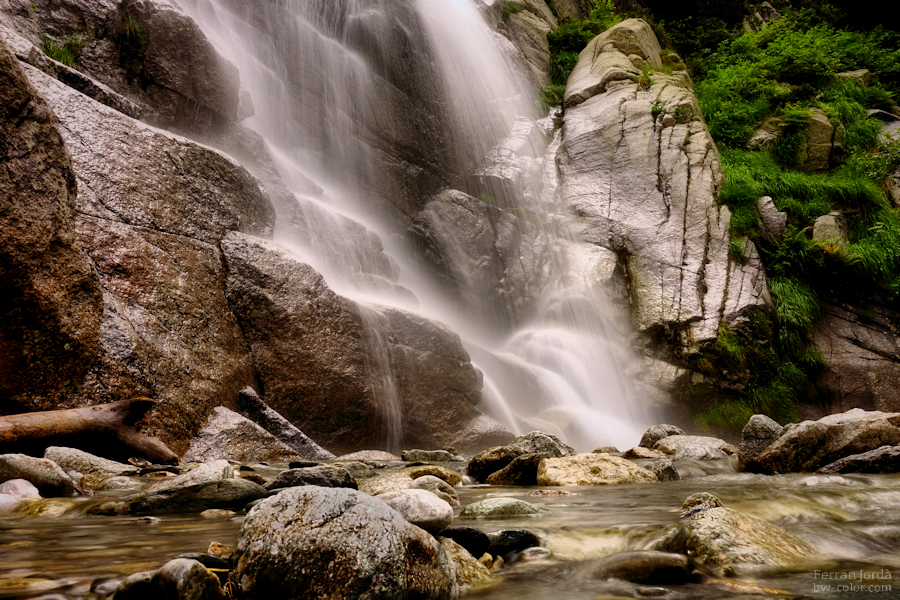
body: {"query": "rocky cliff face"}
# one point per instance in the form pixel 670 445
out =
pixel 120 249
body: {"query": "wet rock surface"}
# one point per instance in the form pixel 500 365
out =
pixel 510 541
pixel 230 435
pixel 259 412
pixel 322 476
pixel 810 445
pixel 94 469
pixel 470 538
pixel 591 469
pixel 44 474
pixel 421 508
pixel 885 459
pixel 501 507
pixel 366 546
pixel 178 579
pixel 653 568
pixel 758 434
pixel 438 487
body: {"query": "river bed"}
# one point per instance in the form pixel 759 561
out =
pixel 852 520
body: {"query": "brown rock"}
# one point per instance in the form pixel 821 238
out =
pixel 639 452
pixel 810 445
pixel 50 314
pixel 492 460
pixel 521 471
pixel 320 357
pixel 591 469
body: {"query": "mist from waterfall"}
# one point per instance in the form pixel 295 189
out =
pixel 340 89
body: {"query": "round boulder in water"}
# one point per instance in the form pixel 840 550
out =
pixel 421 508
pixel 312 542
pixel 508 541
pixel 438 487
pixel 502 507
pixel 473 540
pixel 658 432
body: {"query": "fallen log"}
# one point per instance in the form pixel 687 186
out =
pixel 116 418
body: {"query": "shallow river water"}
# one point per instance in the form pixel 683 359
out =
pixel 853 521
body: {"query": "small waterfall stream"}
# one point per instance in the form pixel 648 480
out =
pixel 369 108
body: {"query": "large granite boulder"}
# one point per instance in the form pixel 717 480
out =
pixel 366 548
pixel 325 362
pixel 499 458
pixel 724 538
pixel 641 173
pixel 881 460
pixel 229 435
pixel 151 209
pixel 591 469
pixel 421 508
pixel 810 445
pixel 50 315
pixel 528 30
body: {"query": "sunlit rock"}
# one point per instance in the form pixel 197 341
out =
pixel 591 469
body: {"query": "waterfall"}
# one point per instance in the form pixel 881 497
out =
pixel 369 108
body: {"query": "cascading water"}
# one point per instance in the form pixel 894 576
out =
pixel 369 108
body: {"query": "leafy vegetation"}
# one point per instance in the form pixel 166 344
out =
pixel 132 46
pixel 66 52
pixel 777 77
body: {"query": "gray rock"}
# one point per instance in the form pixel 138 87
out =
pixel 216 470
pixel 831 227
pixel 758 434
pixel 724 538
pixel 528 32
pixel 521 471
pixel 658 432
pixel 861 76
pixel 258 411
pixel 811 445
pixel 663 469
pixel 645 567
pixel 307 342
pixel 357 470
pixel 538 442
pixel 881 460
pixel 699 501
pixel 119 483
pixel 649 192
pixel 772 221
pixel 509 541
pixel 234 493
pixel 228 435
pixel 322 476
pixel 367 548
pixel 822 145
pixel 862 351
pixel 674 443
pixel 45 474
pixel 178 579
pixel 93 469
pixel 607 450
pixel 699 453
pixel 438 487
pixel 372 455
pixel 501 507
pixel 671 539
pixel 19 488
pixel 481 433
pixel 151 221
pixel 50 322
pixel 420 507
pixel 591 469
pixel 426 456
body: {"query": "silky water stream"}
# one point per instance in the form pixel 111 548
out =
pixel 337 87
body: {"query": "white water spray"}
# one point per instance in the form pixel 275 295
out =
pixel 333 84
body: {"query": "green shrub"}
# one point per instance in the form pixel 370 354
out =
pixel 510 8
pixel 561 66
pixel 551 96
pixel 67 53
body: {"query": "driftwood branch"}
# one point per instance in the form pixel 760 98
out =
pixel 116 418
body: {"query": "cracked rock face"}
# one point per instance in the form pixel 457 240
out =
pixel 641 174
pixel 150 211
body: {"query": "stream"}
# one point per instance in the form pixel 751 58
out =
pixel 852 520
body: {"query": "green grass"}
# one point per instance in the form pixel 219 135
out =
pixel 66 52
pixel 510 8
pixel 551 96
pixel 132 46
